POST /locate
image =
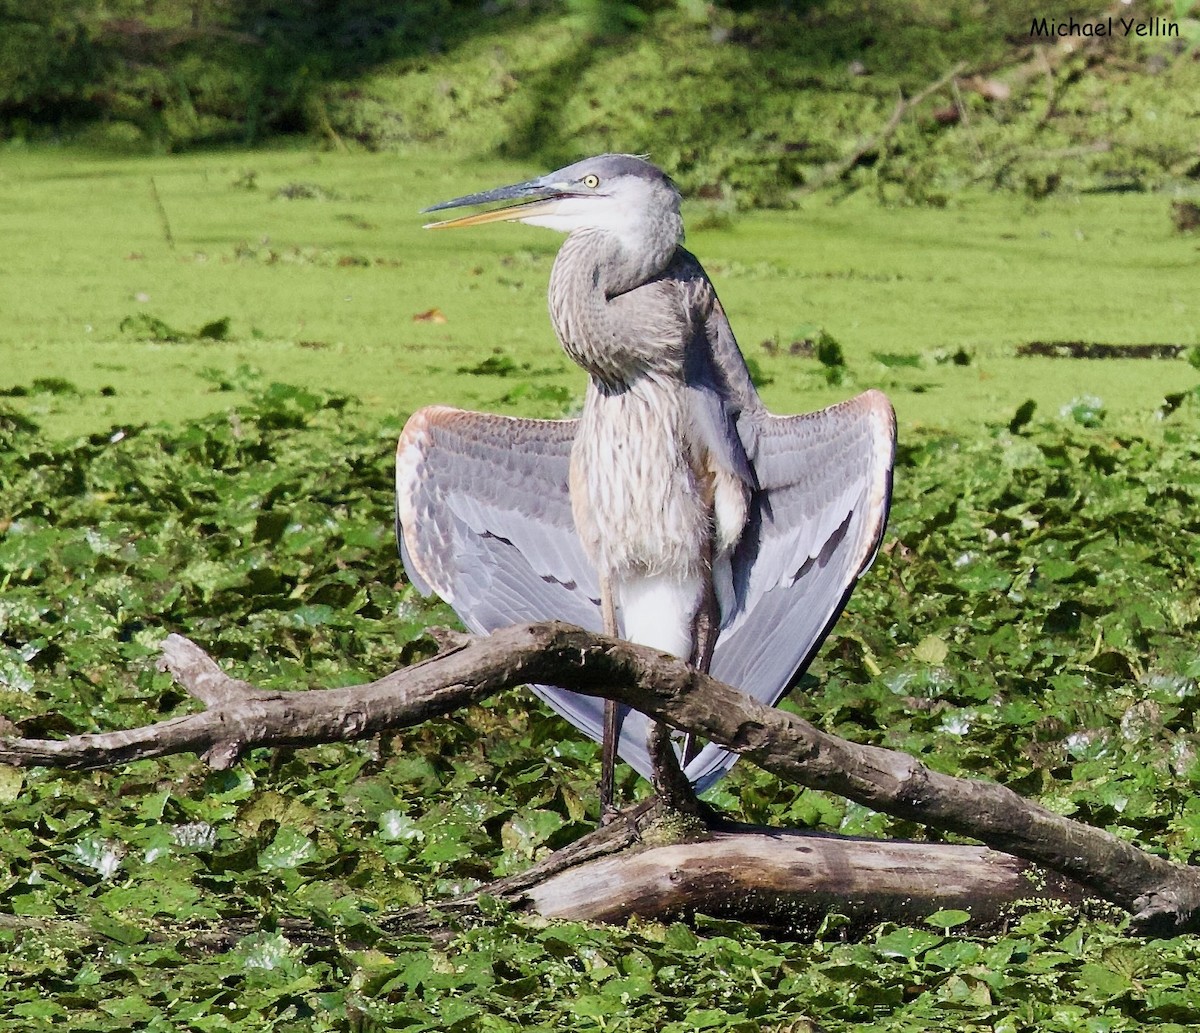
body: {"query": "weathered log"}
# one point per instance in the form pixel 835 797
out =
pixel 664 866
pixel 1164 897
pixel 788 881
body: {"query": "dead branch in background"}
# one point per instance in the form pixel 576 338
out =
pixel 873 143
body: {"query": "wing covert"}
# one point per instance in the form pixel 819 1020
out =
pixel 482 502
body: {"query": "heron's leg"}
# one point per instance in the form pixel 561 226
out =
pixel 608 753
pixel 608 763
pixel 706 639
pixel 708 621
pixel 671 785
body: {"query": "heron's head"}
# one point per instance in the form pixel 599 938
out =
pixel 618 194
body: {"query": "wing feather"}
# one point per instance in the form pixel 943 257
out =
pixel 484 520
pixel 816 520
pixel 475 484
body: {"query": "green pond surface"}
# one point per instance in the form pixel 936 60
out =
pixel 320 267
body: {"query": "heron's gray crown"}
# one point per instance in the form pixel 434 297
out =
pixel 612 166
pixel 566 182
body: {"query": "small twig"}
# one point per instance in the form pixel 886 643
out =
pixel 216 937
pixel 965 118
pixel 448 638
pixel 320 111
pixel 162 215
pixel 196 671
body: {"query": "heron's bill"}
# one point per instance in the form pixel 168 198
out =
pixel 513 213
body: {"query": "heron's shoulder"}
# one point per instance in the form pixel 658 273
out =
pixel 686 281
pixel 686 266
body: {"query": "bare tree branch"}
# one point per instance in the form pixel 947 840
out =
pixel 836 170
pixel 1164 897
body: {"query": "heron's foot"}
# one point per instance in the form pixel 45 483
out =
pixel 670 783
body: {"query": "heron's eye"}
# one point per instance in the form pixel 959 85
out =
pixel 591 181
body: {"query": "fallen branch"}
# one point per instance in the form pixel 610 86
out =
pixel 788 881
pixel 836 170
pixel 998 167
pixel 1164 897
pixel 652 864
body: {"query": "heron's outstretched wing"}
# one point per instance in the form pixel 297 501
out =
pixel 483 518
pixel 816 520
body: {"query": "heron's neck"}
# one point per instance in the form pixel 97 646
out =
pixel 608 316
pixel 626 259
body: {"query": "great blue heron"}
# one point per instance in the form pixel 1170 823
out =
pixel 676 511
